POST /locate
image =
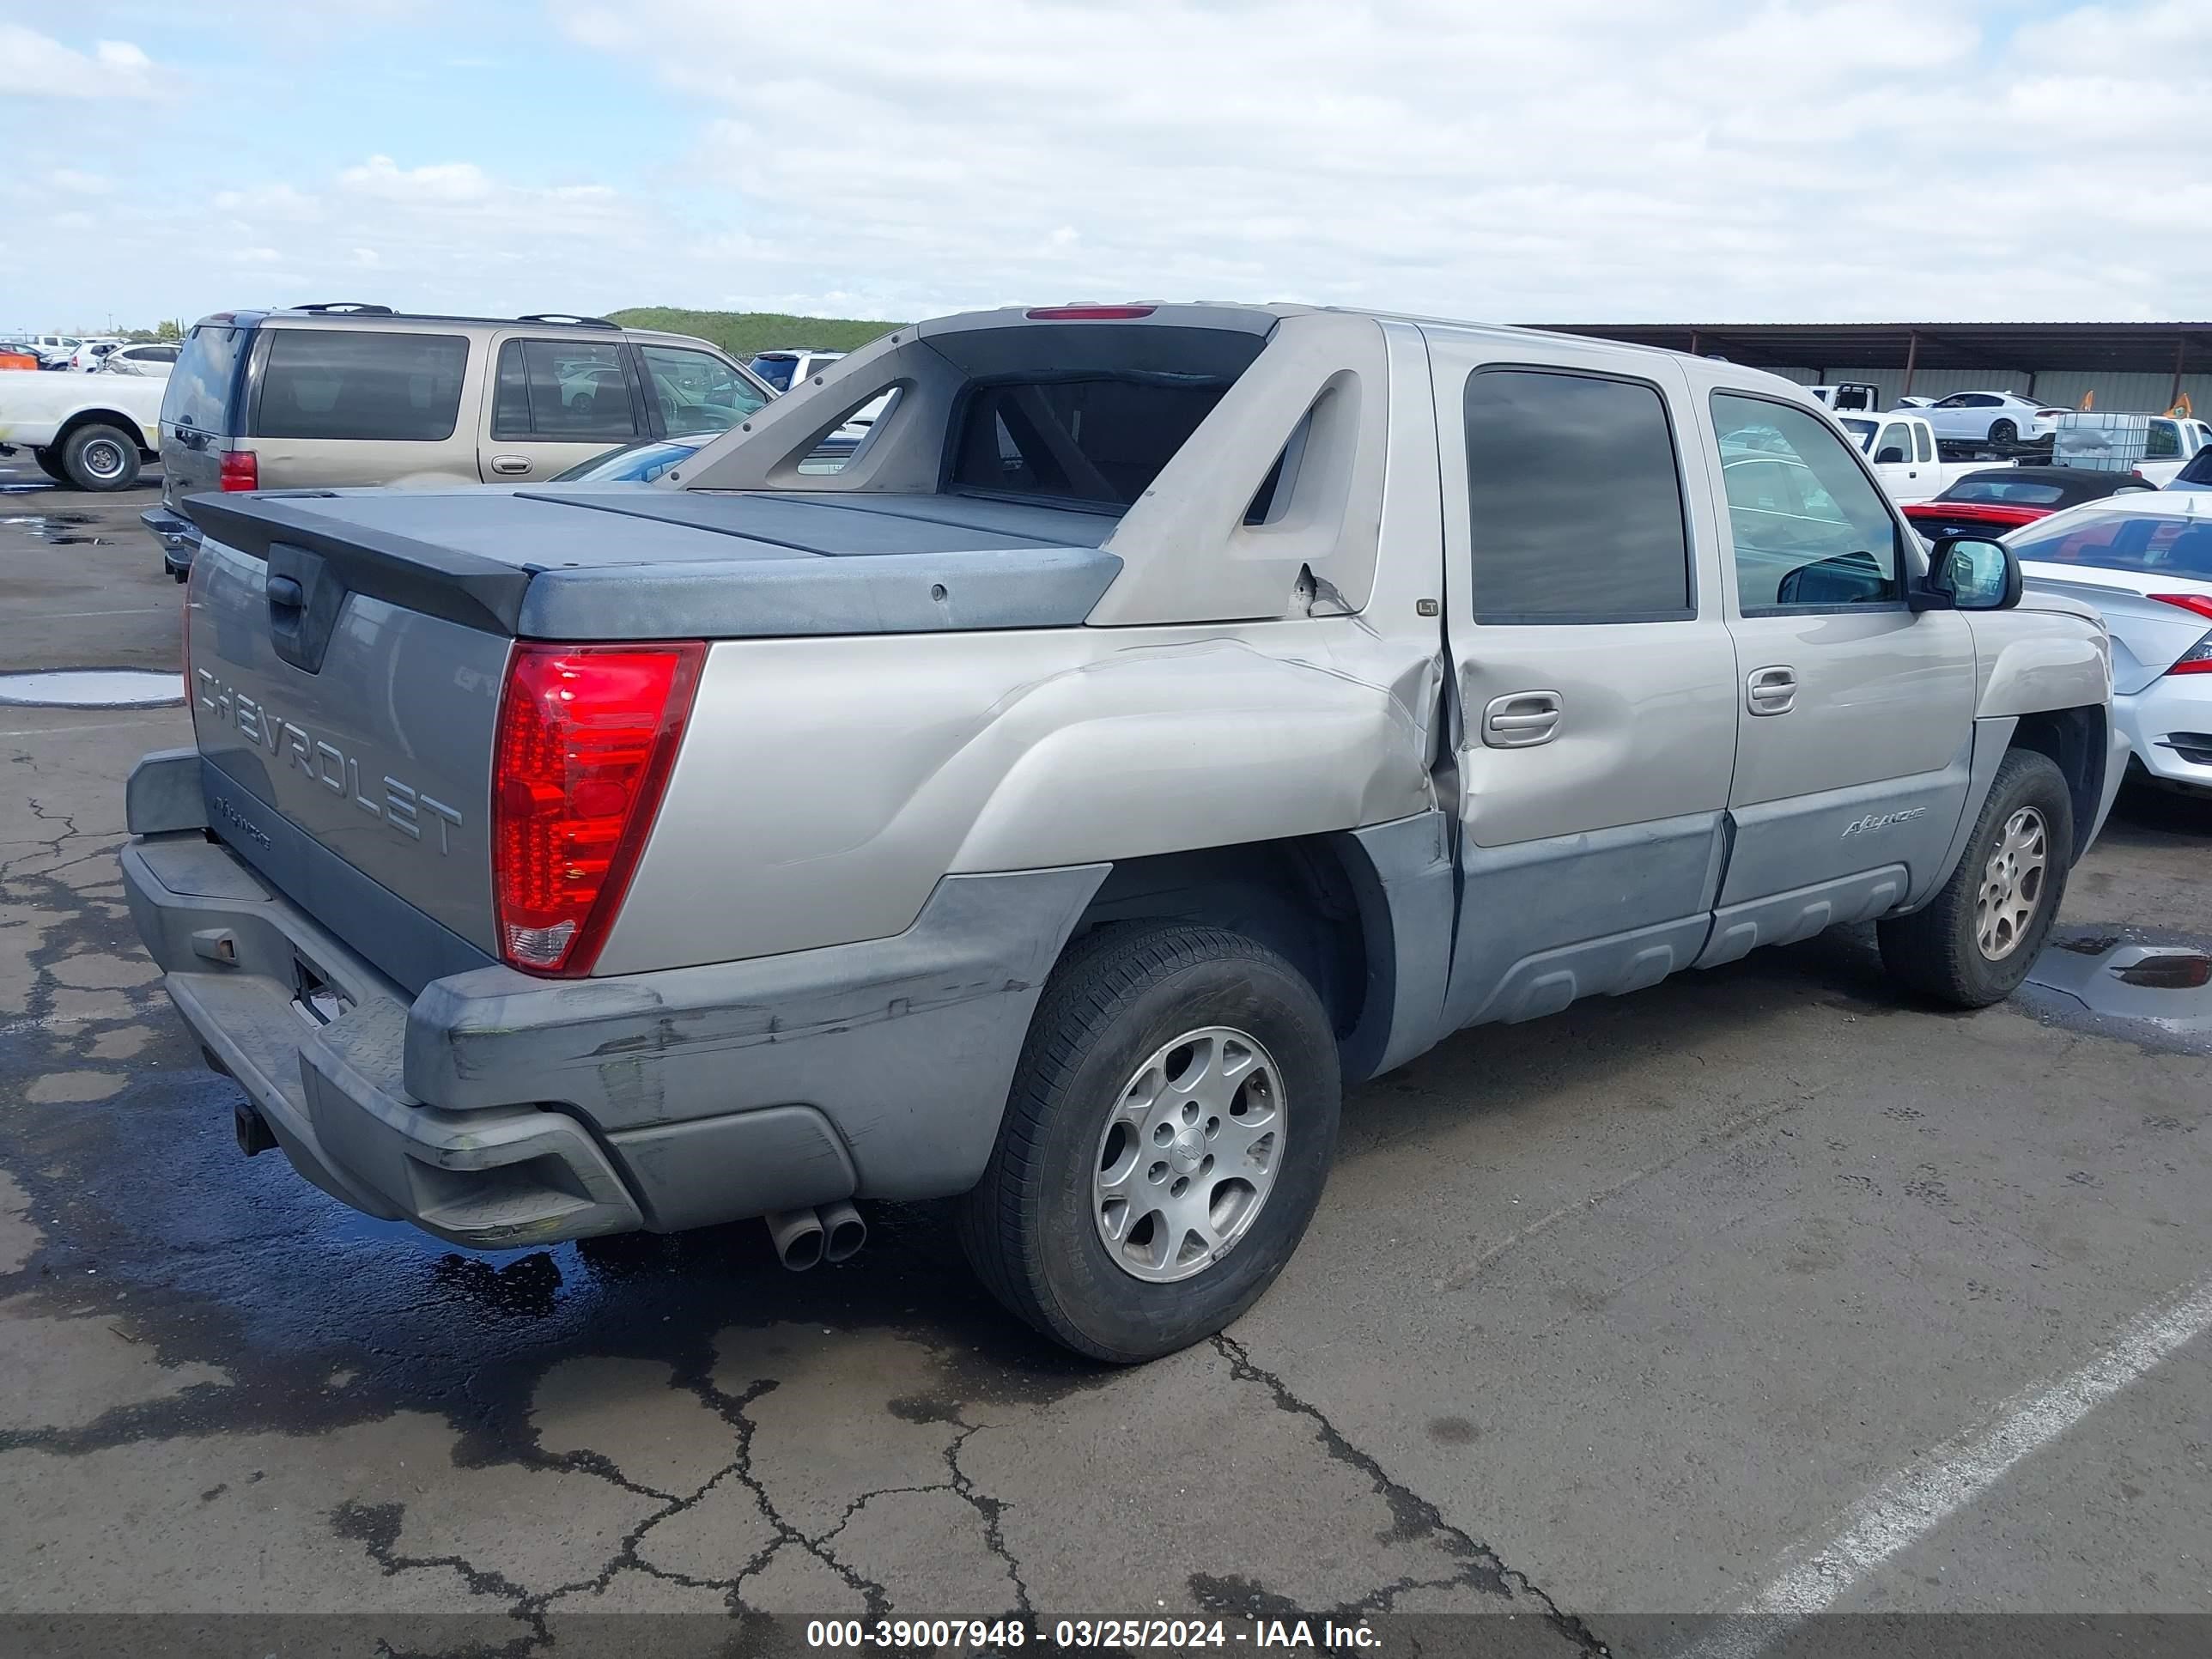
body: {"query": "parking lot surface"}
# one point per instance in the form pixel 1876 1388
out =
pixel 1613 1314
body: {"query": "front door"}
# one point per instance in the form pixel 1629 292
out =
pixel 1904 473
pixel 1854 714
pixel 1593 669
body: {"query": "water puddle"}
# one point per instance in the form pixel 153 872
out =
pixel 59 529
pixel 2168 986
pixel 92 688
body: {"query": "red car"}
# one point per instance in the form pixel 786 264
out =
pixel 1997 499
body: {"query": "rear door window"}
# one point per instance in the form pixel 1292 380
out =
pixel 360 385
pixel 1574 500
pixel 203 382
pixel 564 391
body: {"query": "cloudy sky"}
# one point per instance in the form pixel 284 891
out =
pixel 1573 161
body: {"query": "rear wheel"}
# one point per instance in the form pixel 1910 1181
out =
pixel 50 464
pixel 100 458
pixel 2003 432
pixel 1169 1129
pixel 1974 944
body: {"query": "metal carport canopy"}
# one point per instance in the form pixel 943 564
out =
pixel 2131 348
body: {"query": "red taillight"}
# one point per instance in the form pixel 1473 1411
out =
pixel 588 734
pixel 242 469
pixel 1087 314
pixel 2197 659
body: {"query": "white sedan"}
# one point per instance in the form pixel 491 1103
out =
pixel 1996 417
pixel 154 358
pixel 2145 560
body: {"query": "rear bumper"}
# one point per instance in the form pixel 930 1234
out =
pixel 496 1110
pixel 2168 725
pixel 178 536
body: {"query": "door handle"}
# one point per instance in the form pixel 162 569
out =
pixel 512 467
pixel 1521 719
pixel 1770 690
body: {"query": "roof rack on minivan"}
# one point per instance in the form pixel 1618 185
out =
pixel 569 317
pixel 361 306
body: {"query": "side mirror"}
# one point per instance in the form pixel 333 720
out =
pixel 1890 456
pixel 1967 573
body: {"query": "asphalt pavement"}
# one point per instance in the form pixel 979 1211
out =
pixel 1767 1277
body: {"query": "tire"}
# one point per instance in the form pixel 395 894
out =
pixel 1939 950
pixel 100 458
pixel 50 466
pixel 2003 432
pixel 1115 1013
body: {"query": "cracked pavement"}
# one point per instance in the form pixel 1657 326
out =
pixel 1598 1313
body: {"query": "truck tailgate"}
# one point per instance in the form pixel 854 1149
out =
pixel 348 650
pixel 379 755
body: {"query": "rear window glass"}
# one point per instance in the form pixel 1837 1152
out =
pixel 1096 441
pixel 362 385
pixel 2199 470
pixel 2156 546
pixel 1574 500
pixel 776 370
pixel 200 387
pixel 2002 489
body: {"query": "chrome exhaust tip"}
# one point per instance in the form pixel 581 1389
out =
pixel 845 1230
pixel 798 1236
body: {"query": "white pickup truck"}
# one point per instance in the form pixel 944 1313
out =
pixel 93 431
pixel 1901 446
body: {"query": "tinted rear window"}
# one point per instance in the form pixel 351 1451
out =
pixel 364 385
pixel 1097 441
pixel 201 387
pixel 2199 470
pixel 2153 545
pixel 1574 500
pixel 776 370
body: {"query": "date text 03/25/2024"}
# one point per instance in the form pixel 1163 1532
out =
pixel 989 1635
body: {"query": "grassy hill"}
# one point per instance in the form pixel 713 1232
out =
pixel 741 333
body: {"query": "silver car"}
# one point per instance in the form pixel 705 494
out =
pixel 1163 717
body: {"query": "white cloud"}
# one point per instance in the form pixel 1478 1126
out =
pixel 1589 159
pixel 39 66
pixel 1585 159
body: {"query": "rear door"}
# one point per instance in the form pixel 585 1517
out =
pixel 556 402
pixel 1854 714
pixel 1593 668
pixel 336 407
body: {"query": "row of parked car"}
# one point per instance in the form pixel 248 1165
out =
pixel 67 351
pixel 360 395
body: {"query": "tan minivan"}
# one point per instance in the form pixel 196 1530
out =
pixel 330 396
